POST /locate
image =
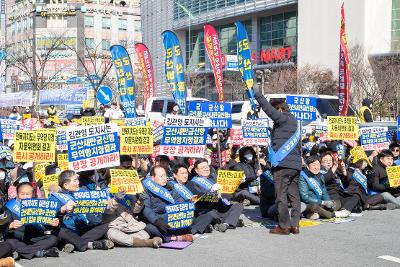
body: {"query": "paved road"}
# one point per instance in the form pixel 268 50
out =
pixel 356 243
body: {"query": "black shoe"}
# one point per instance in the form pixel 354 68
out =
pixel 240 223
pixel 103 244
pixel 209 229
pixel 220 227
pixel 51 252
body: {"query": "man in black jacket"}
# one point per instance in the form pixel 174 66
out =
pixel 286 169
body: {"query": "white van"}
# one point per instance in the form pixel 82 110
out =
pixel 326 106
pixel 158 107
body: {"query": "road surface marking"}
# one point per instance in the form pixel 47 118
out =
pixel 389 258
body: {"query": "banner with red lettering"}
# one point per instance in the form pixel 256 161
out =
pixel 145 62
pixel 344 70
pixel 213 48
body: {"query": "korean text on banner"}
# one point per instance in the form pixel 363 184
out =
pixel 126 83
pixel 136 140
pixel 91 202
pixel 62 161
pixel 229 181
pixel 36 146
pixel 374 138
pixel 342 128
pixel 93 147
pixel 183 151
pixel 39 170
pixel 92 120
pixel 236 136
pixel 255 132
pixel 180 215
pixel 219 113
pixel 8 128
pixel 146 65
pixel 65 96
pixel 126 180
pixel 393 173
pixel 61 139
pixel 49 180
pixel 303 108
pixel 174 68
pixel 38 211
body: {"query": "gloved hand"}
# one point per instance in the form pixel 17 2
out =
pixel 162 225
pixel 328 204
pixel 215 187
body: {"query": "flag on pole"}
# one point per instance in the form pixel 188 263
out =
pixel 144 57
pixel 344 69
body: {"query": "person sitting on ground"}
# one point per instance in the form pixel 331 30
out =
pixel 78 231
pixel 29 240
pixel 314 194
pixel 395 148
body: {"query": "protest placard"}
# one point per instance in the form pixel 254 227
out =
pixel 126 180
pixel 393 173
pixel 35 146
pixel 255 132
pixel 180 215
pixel 229 181
pixel 61 139
pixel 38 211
pixel 158 133
pixel 215 158
pixel 8 128
pixel 135 122
pixel 236 136
pixel 118 122
pixel 358 153
pixel 93 147
pixel 342 128
pixel 31 124
pixel 136 140
pixel 92 120
pixel 39 170
pixel 64 96
pixel 62 161
pixel 219 113
pixel 374 138
pixel 87 104
pixel 302 107
pixel 183 151
pixel 398 128
pixel 49 180
pixel 91 202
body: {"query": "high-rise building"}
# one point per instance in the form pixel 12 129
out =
pixel 69 40
pixel 283 33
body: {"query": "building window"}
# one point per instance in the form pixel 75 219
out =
pixel 184 8
pixel 105 44
pixel 106 23
pixel 122 24
pixel 395 43
pixel 278 31
pixel 89 43
pixel 89 21
pixel 137 26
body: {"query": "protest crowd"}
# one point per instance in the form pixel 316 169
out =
pixel 96 183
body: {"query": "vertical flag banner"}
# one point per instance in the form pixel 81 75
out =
pixel 213 48
pixel 126 83
pixel 244 61
pixel 344 70
pixel 146 64
pixel 174 68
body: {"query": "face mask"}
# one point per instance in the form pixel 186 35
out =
pixel 248 157
pixel 364 165
pixel 2 175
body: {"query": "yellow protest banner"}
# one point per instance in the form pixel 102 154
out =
pixel 393 173
pixel 342 128
pixel 92 120
pixel 35 146
pixel 229 181
pixel 49 180
pixel 119 122
pixel 126 180
pixel 87 104
pixel 358 153
pixel 62 161
pixel 136 140
pixel 39 171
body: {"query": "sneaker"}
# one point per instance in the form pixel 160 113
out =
pixel 15 255
pixel 342 213
pixel 314 216
pixel 51 252
pixel 209 229
pixel 391 206
pixel 68 248
pixel 103 244
pixel 220 227
pixel 246 202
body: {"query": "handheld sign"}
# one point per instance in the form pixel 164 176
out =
pixel 398 128
pixel 303 108
pixel 255 132
pixel 91 202
pixel 62 161
pixel 219 113
pixel 126 180
pixel 61 139
pixel 49 180
pixel 393 173
pixel 38 211
pixel 36 146
pixel 136 140
pixel 229 181
pixel 342 128
pixel 8 128
pixel 39 171
pixel 374 138
pixel 180 215
pixel 92 120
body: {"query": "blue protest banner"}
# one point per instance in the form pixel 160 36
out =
pixel 8 128
pixel 255 132
pixel 302 107
pixel 38 211
pixel 374 138
pixel 65 96
pixel 61 139
pixel 126 83
pixel 219 113
pixel 91 202
pixel 398 128
pixel 93 147
pixel 104 95
pixel 180 215
pixel 174 68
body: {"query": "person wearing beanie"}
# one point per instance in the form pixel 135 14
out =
pixel 365 112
